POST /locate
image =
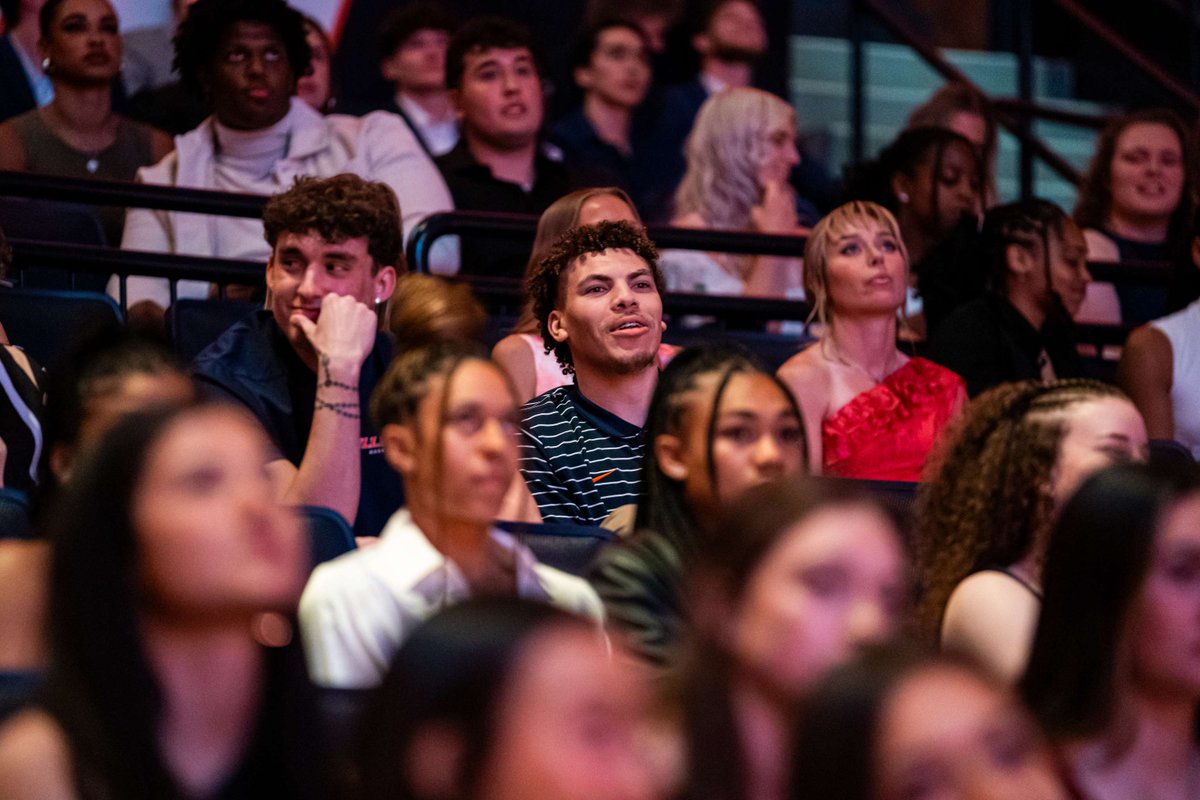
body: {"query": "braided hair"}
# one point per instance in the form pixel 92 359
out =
pixel 984 501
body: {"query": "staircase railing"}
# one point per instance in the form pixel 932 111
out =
pixel 1012 116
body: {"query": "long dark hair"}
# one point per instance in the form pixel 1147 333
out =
pixel 100 686
pixel 912 148
pixel 452 671
pixel 1095 194
pixel 662 506
pixel 1099 554
pixel 721 568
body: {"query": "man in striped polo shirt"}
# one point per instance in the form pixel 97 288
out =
pixel 597 298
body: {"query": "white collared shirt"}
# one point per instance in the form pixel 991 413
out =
pixel 357 610
pixel 439 136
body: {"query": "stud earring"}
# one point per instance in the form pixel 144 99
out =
pixel 377 301
pixel 46 65
pixel 902 197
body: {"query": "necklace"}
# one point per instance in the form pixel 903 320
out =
pixel 838 358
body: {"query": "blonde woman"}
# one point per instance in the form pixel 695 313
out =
pixel 739 155
pixel 871 411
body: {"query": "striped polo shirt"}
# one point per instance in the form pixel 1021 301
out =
pixel 579 460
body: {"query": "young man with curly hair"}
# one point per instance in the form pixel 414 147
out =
pixel 597 298
pixel 244 57
pixel 306 365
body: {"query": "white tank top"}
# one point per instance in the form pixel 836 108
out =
pixel 1182 330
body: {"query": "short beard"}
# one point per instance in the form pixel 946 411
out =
pixel 637 362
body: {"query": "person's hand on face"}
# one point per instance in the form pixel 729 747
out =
pixel 776 211
pixel 342 337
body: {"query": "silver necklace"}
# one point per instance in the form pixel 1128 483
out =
pixel 837 357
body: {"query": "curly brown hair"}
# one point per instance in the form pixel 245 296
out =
pixel 1095 193
pixel 984 501
pixel 340 208
pixel 543 283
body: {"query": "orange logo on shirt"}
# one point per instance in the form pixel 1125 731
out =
pixel 599 478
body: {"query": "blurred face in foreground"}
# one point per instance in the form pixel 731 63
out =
pixel 945 734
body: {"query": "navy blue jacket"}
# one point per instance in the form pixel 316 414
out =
pixel 254 364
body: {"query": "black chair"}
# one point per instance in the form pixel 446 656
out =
pixel 195 324
pixel 45 321
pixel 331 535
pixel 570 548
pixel 1171 453
pixel 771 348
pixel 14 515
pixel 51 221
pixel 17 690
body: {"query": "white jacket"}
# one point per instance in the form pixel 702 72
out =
pixel 378 146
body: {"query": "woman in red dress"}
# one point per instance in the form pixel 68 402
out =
pixel 872 411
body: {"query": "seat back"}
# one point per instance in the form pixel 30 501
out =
pixel 45 321
pixel 570 548
pixel 14 515
pixel 17 691
pixel 1171 452
pixel 330 534
pixel 51 221
pixel 195 324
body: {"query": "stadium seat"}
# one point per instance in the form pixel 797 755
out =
pixel 331 535
pixel 1170 452
pixel 570 548
pixel 49 221
pixel 195 324
pixel 45 321
pixel 14 515
pixel 17 690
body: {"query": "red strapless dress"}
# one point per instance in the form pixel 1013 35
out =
pixel 886 433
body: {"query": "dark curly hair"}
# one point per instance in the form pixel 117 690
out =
pixel 543 283
pixel 207 22
pixel 400 25
pixel 488 33
pixel 340 208
pixel 1095 193
pixel 984 500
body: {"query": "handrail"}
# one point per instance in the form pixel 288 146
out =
pixel 523 227
pixel 107 260
pixel 1024 108
pixel 129 193
pixel 727 307
pixel 1130 52
pixel 930 56
pixel 92 259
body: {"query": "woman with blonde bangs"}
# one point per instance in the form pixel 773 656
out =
pixel 739 155
pixel 1022 448
pixel 871 411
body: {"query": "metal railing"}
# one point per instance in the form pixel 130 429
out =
pixel 494 291
pixel 1177 88
pixel 1011 116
